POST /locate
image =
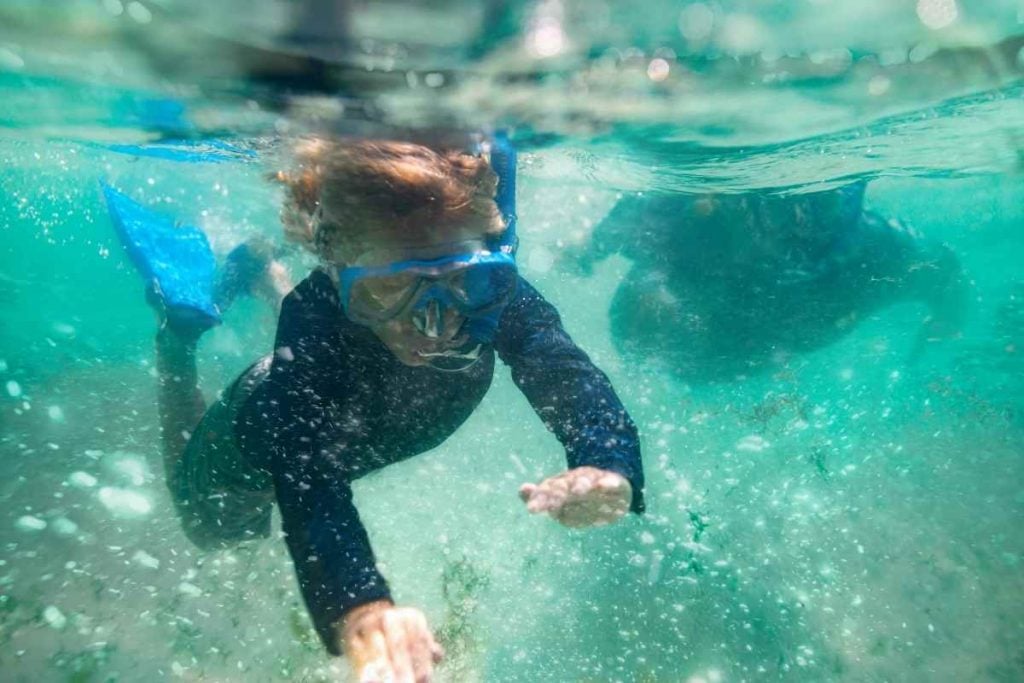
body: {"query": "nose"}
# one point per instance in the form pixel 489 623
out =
pixel 429 319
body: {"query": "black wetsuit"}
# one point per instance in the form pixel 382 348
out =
pixel 337 404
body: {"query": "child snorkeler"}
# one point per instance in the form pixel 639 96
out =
pixel 381 353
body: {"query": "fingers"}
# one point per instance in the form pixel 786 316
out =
pixel 549 495
pixel 424 651
pixel 526 491
pixel 583 496
pixel 379 669
pixel 397 647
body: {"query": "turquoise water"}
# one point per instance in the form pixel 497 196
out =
pixel 847 516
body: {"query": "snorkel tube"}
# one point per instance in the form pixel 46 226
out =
pixel 503 162
pixel 480 330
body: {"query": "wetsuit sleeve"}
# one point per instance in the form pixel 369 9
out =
pixel 328 543
pixel 570 394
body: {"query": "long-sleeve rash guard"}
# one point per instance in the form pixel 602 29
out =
pixel 337 405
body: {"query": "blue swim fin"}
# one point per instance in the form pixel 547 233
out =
pixel 187 151
pixel 175 259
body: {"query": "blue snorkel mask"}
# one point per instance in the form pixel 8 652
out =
pixel 477 284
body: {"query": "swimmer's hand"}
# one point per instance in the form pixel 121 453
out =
pixel 581 497
pixel 388 644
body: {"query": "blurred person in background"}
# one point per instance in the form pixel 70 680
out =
pixel 728 285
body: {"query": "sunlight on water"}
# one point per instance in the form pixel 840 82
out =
pixel 831 493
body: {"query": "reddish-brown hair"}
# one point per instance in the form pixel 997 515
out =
pixel 344 191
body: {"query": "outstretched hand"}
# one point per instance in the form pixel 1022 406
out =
pixel 580 497
pixel 388 644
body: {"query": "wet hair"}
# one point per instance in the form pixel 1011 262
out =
pixel 344 192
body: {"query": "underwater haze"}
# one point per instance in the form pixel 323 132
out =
pixel 841 503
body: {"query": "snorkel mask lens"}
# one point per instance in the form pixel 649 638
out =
pixel 380 299
pixel 472 284
pixel 477 286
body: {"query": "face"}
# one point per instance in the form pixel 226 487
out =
pixel 408 338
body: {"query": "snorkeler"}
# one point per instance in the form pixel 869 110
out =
pixel 381 354
pixel 725 286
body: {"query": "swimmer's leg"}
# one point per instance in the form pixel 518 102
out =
pixel 180 403
pixel 898 263
pixel 252 268
pixel 220 497
pixel 179 268
pixel 942 285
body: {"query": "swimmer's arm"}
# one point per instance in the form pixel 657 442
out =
pixel 569 393
pixel 327 541
pixel 333 559
pixel 346 595
pixel 608 238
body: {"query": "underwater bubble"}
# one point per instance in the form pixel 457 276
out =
pixel 742 33
pixel 13 389
pixel 936 14
pixel 55 618
pixel 696 21
pixel 139 12
pixel 64 526
pixel 82 480
pixel 29 523
pixel 64 329
pixel 144 559
pixel 189 589
pixel 124 502
pixel 114 7
pixel 547 39
pixel 752 443
pixel 129 466
pixel 879 85
pixel 658 69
